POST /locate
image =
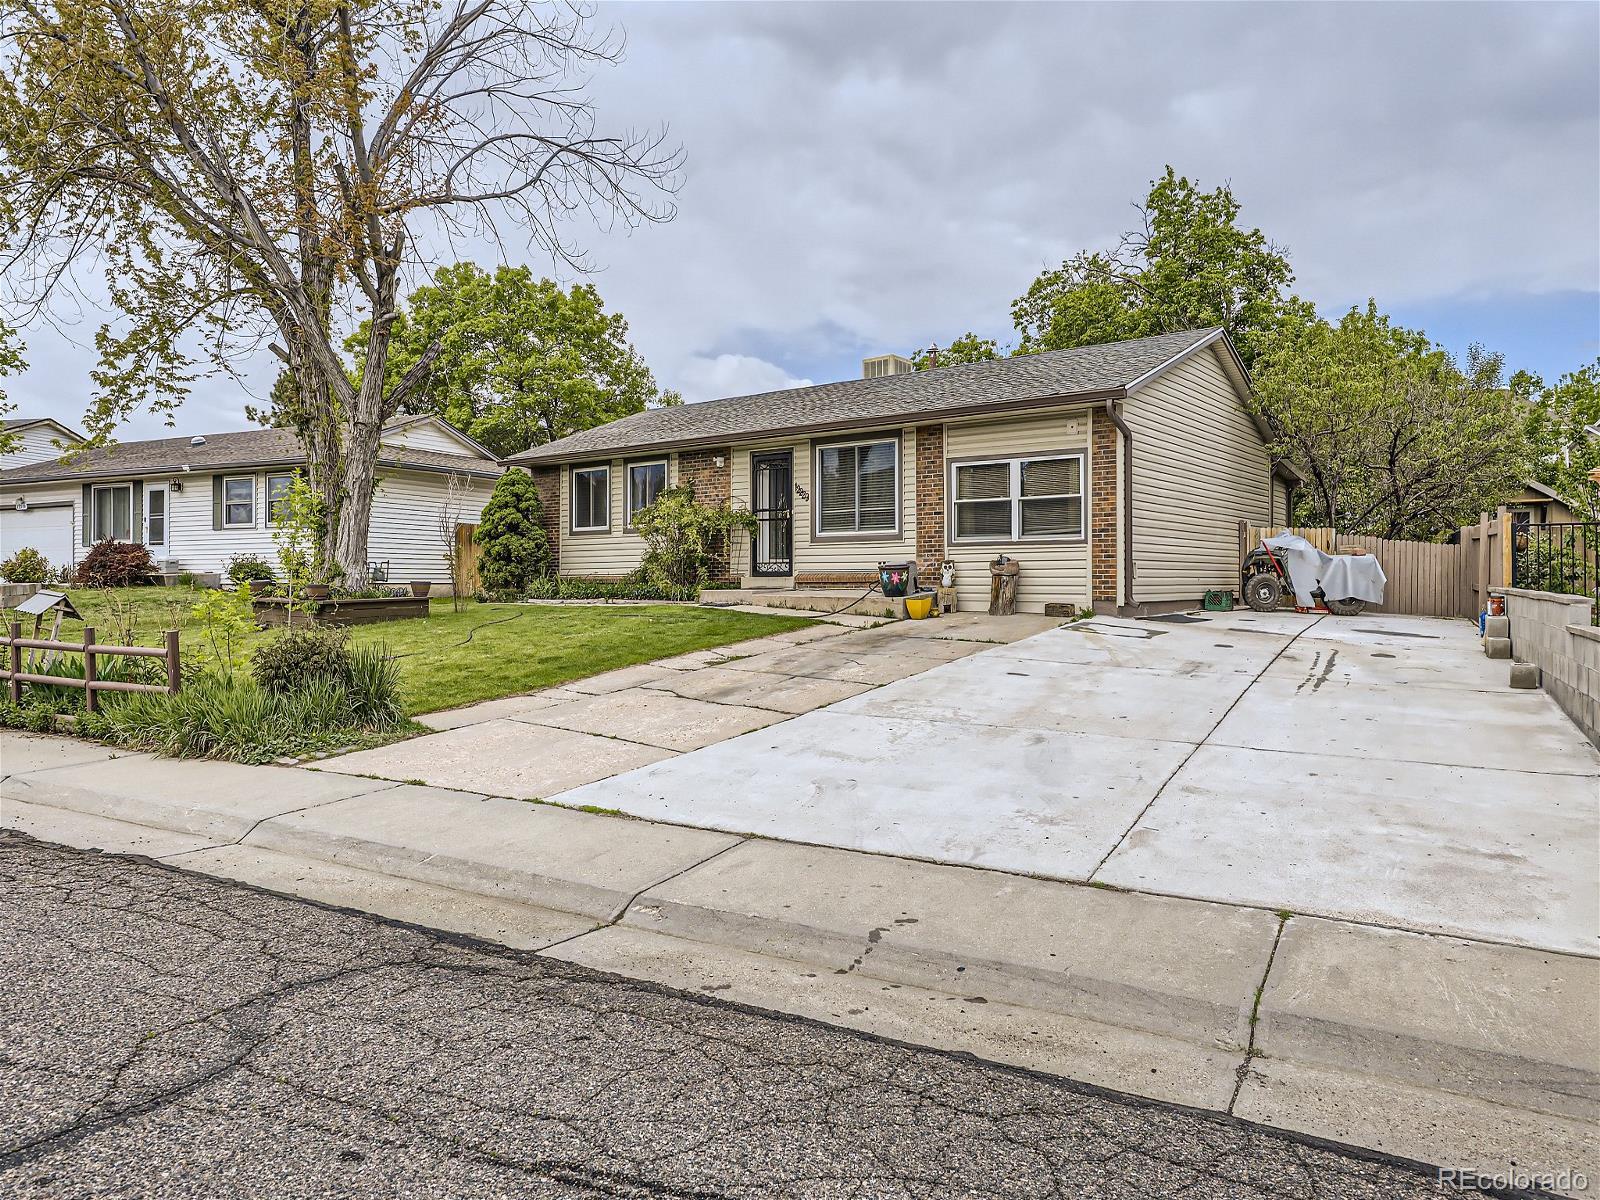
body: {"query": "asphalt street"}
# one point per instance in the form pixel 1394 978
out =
pixel 167 1035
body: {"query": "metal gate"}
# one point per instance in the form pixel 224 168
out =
pixel 772 489
pixel 1557 556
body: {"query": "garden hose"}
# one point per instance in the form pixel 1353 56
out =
pixel 465 640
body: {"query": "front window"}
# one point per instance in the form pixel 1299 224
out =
pixel 239 502
pixel 591 499
pixel 646 482
pixel 1014 499
pixel 857 487
pixel 277 496
pixel 113 512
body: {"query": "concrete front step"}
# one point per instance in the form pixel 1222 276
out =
pixel 857 601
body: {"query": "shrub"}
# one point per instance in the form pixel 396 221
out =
pixel 516 550
pixel 27 565
pixel 295 658
pixel 115 564
pixel 634 587
pixel 242 568
pixel 683 538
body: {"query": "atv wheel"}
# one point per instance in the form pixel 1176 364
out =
pixel 1263 593
pixel 1348 607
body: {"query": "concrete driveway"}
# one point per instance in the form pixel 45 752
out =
pixel 1376 769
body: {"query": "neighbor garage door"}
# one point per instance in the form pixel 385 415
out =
pixel 50 531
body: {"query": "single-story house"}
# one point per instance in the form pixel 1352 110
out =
pixel 37 439
pixel 1116 475
pixel 199 501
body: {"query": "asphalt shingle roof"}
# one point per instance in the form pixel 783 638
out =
pixel 245 448
pixel 854 402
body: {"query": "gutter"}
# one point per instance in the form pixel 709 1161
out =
pixel 1114 412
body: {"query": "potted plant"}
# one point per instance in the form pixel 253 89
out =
pixel 317 591
pixel 421 587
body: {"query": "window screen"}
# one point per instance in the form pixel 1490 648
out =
pixel 239 501
pixel 591 488
pixel 113 513
pixel 1014 498
pixel 858 487
pixel 277 492
pixel 646 481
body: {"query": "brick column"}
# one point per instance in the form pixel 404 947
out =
pixel 712 485
pixel 547 482
pixel 1103 511
pixel 930 496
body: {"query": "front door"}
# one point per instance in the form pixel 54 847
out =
pixel 772 489
pixel 157 520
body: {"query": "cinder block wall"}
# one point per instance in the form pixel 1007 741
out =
pixel 1554 633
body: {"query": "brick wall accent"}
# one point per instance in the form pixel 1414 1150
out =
pixel 547 481
pixel 1103 511
pixel 712 485
pixel 930 496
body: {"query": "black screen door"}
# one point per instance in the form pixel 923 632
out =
pixel 772 488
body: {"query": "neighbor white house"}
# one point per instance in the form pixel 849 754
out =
pixel 199 501
pixel 37 439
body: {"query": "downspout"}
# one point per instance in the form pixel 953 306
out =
pixel 1115 414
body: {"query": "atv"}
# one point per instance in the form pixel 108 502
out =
pixel 1264 580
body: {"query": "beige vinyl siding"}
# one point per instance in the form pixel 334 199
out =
pixel 616 552
pixel 1199 468
pixel 1280 504
pixel 35 444
pixel 815 554
pixel 1052 571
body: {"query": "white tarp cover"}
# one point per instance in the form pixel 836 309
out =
pixel 1341 576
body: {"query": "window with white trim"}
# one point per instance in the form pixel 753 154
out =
pixel 278 486
pixel 591 499
pixel 113 512
pixel 1018 499
pixel 239 502
pixel 858 487
pixel 646 482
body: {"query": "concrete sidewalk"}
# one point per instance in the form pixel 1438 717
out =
pixel 1458 1052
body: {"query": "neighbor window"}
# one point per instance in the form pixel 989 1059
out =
pixel 239 502
pixel 113 512
pixel 1012 499
pixel 277 496
pixel 591 499
pixel 858 485
pixel 646 481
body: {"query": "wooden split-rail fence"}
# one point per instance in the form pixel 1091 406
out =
pixel 92 652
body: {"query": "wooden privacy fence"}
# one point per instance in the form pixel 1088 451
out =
pixel 91 683
pixel 1425 579
pixel 467 551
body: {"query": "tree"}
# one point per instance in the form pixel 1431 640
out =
pixel 10 363
pixel 1188 265
pixel 967 348
pixel 516 550
pixel 257 173
pixel 1564 431
pixel 1394 438
pixel 520 361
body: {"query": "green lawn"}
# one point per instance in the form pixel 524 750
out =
pixel 529 646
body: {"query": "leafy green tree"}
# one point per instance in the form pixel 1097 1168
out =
pixel 967 348
pixel 1188 265
pixel 10 363
pixel 1564 430
pixel 260 174
pixel 516 550
pixel 1394 437
pixel 521 361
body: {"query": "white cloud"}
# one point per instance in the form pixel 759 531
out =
pixel 703 377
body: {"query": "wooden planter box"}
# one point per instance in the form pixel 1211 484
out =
pixel 273 611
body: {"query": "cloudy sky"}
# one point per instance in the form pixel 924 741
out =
pixel 870 177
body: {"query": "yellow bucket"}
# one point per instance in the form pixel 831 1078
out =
pixel 919 605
